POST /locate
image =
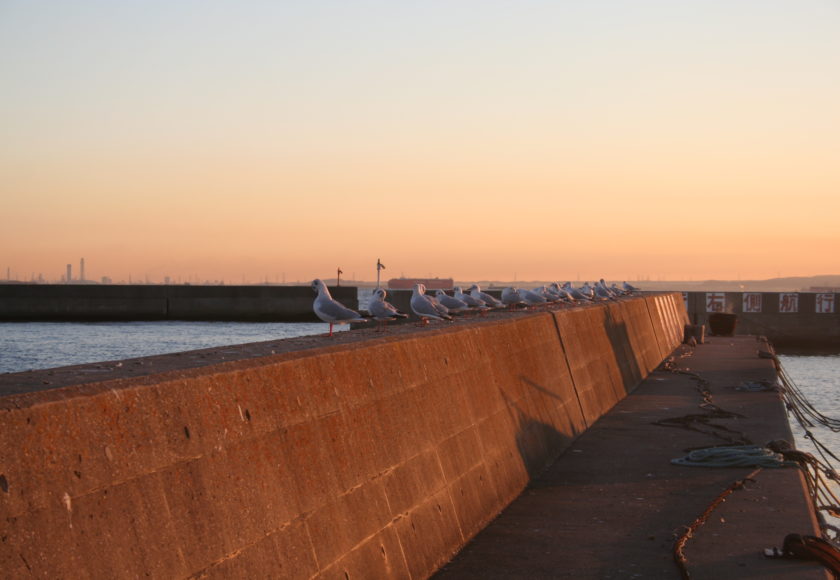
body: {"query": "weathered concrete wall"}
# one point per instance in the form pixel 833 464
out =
pixel 378 459
pixel 136 302
pixel 811 320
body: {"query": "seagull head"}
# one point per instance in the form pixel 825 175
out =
pixel 318 285
pixel 380 293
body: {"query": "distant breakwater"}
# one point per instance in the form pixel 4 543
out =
pixel 78 302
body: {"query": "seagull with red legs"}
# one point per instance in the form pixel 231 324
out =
pixel 425 308
pixel 330 310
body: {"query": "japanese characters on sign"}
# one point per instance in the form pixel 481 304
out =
pixel 715 301
pixel 824 304
pixel 752 302
pixel 788 302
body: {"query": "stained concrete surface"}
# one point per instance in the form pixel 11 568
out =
pixel 612 505
pixel 367 458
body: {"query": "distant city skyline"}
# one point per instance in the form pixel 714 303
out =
pixel 280 279
pixel 478 140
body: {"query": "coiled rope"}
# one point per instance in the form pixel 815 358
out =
pixel 734 456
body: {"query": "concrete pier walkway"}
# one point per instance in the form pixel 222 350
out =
pixel 612 505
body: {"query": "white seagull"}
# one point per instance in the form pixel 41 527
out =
pixel 576 293
pixel 453 303
pixel 471 301
pixel 475 292
pixel 531 298
pixel 423 307
pixel 330 310
pixel 383 311
pixel 511 297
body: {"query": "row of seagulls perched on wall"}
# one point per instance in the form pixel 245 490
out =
pixel 442 305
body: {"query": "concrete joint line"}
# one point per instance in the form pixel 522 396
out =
pixel 569 369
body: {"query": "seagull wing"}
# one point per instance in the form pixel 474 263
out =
pixel 330 310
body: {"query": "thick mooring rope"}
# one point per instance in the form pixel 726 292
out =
pixel 817 472
pixel 679 545
pixel 734 456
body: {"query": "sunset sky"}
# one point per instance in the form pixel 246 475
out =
pixel 482 140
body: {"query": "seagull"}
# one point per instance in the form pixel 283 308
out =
pixel 423 307
pixel 575 292
pixel 511 297
pixel 330 310
pixel 532 298
pixel 452 303
pixel 546 293
pixel 609 290
pixel 475 292
pixel 381 310
pixel 630 288
pixel 562 292
pixel 435 302
pixel 472 302
pixel 602 292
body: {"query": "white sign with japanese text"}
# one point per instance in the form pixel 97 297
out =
pixel 715 301
pixel 788 302
pixel 824 304
pixel 752 302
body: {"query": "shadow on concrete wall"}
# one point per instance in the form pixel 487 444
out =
pixel 537 442
pixel 625 358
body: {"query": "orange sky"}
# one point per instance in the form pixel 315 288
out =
pixel 245 142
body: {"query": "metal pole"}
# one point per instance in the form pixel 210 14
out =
pixel 379 266
pixel 338 277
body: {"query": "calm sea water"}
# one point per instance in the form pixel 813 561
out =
pixel 41 345
pixel 818 377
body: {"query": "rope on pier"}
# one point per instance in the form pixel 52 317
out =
pixel 679 545
pixel 734 456
pixel 818 472
pixel 702 422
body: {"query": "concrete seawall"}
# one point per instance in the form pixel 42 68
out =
pixel 136 302
pixel 380 458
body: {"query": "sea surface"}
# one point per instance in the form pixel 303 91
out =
pixel 40 345
pixel 818 378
